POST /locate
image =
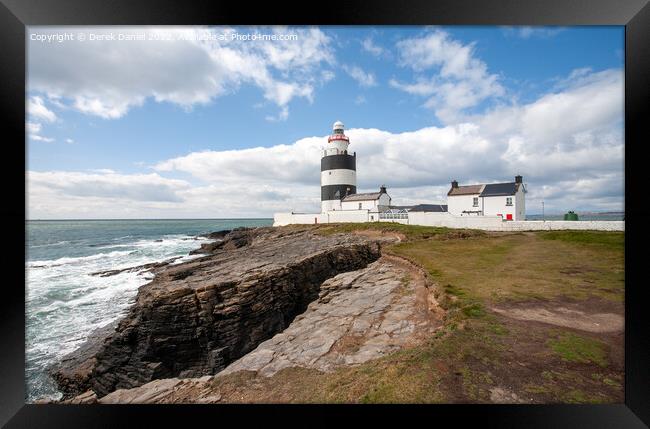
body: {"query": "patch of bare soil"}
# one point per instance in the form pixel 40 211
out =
pixel 391 236
pixel 591 315
pixel 499 395
pixel 535 374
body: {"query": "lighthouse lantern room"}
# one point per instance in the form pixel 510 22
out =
pixel 338 170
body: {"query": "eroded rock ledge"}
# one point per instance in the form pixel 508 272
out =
pixel 358 316
pixel 195 318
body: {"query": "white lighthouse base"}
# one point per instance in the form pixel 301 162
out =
pixel 330 205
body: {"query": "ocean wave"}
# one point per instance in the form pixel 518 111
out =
pixel 65 303
pixel 71 260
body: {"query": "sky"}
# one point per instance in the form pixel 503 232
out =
pixel 209 122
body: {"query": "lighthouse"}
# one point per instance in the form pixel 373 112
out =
pixel 338 170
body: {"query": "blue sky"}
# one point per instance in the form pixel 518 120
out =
pixel 163 128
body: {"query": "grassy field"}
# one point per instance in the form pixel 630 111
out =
pixel 484 355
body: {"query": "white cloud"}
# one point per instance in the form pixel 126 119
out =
pixel 363 78
pixel 69 141
pixel 33 127
pixel 107 78
pixel 447 72
pixel 421 87
pixel 57 187
pixel 33 132
pixel 283 115
pixel 42 139
pixel 36 109
pixel 568 145
pixel 327 75
pixel 369 46
pixel 526 32
pixel 360 99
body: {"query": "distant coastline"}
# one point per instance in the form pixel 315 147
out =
pixel 582 216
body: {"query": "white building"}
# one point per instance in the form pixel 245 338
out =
pixel 494 199
pixel 373 202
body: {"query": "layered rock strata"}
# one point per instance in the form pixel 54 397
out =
pixel 358 316
pixel 195 318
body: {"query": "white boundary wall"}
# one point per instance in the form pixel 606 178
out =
pixel 282 219
pixel 495 223
pixel 333 216
pixel 551 225
pixel 487 223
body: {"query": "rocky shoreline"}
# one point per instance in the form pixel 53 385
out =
pixel 195 318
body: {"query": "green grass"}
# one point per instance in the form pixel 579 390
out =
pixel 521 267
pixel 572 387
pixel 474 310
pixel 412 232
pixel 577 396
pixel 574 348
pixel 612 240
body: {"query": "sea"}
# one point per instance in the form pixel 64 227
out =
pixel 64 302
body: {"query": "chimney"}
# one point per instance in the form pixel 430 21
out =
pixel 454 184
pixel 518 179
pixel 382 189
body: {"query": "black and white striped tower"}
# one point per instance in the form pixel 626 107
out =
pixel 338 170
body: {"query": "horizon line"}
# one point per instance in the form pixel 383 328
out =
pixel 188 218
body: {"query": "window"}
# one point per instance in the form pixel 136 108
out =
pixel 475 201
pixel 509 201
pixel 359 206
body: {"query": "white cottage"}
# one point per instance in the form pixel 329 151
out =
pixel 493 199
pixel 373 202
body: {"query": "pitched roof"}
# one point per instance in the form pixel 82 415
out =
pixel 363 197
pixel 429 208
pixel 500 189
pixel 466 190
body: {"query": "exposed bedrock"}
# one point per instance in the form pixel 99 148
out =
pixel 359 316
pixel 195 318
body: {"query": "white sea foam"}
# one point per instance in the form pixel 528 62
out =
pixel 78 260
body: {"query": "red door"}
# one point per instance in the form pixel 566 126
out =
pixel 508 217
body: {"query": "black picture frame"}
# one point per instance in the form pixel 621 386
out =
pixel 16 15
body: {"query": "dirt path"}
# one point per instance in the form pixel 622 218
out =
pixel 591 315
pixel 390 236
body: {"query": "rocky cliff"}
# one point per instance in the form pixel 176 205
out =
pixel 195 318
pixel 358 316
